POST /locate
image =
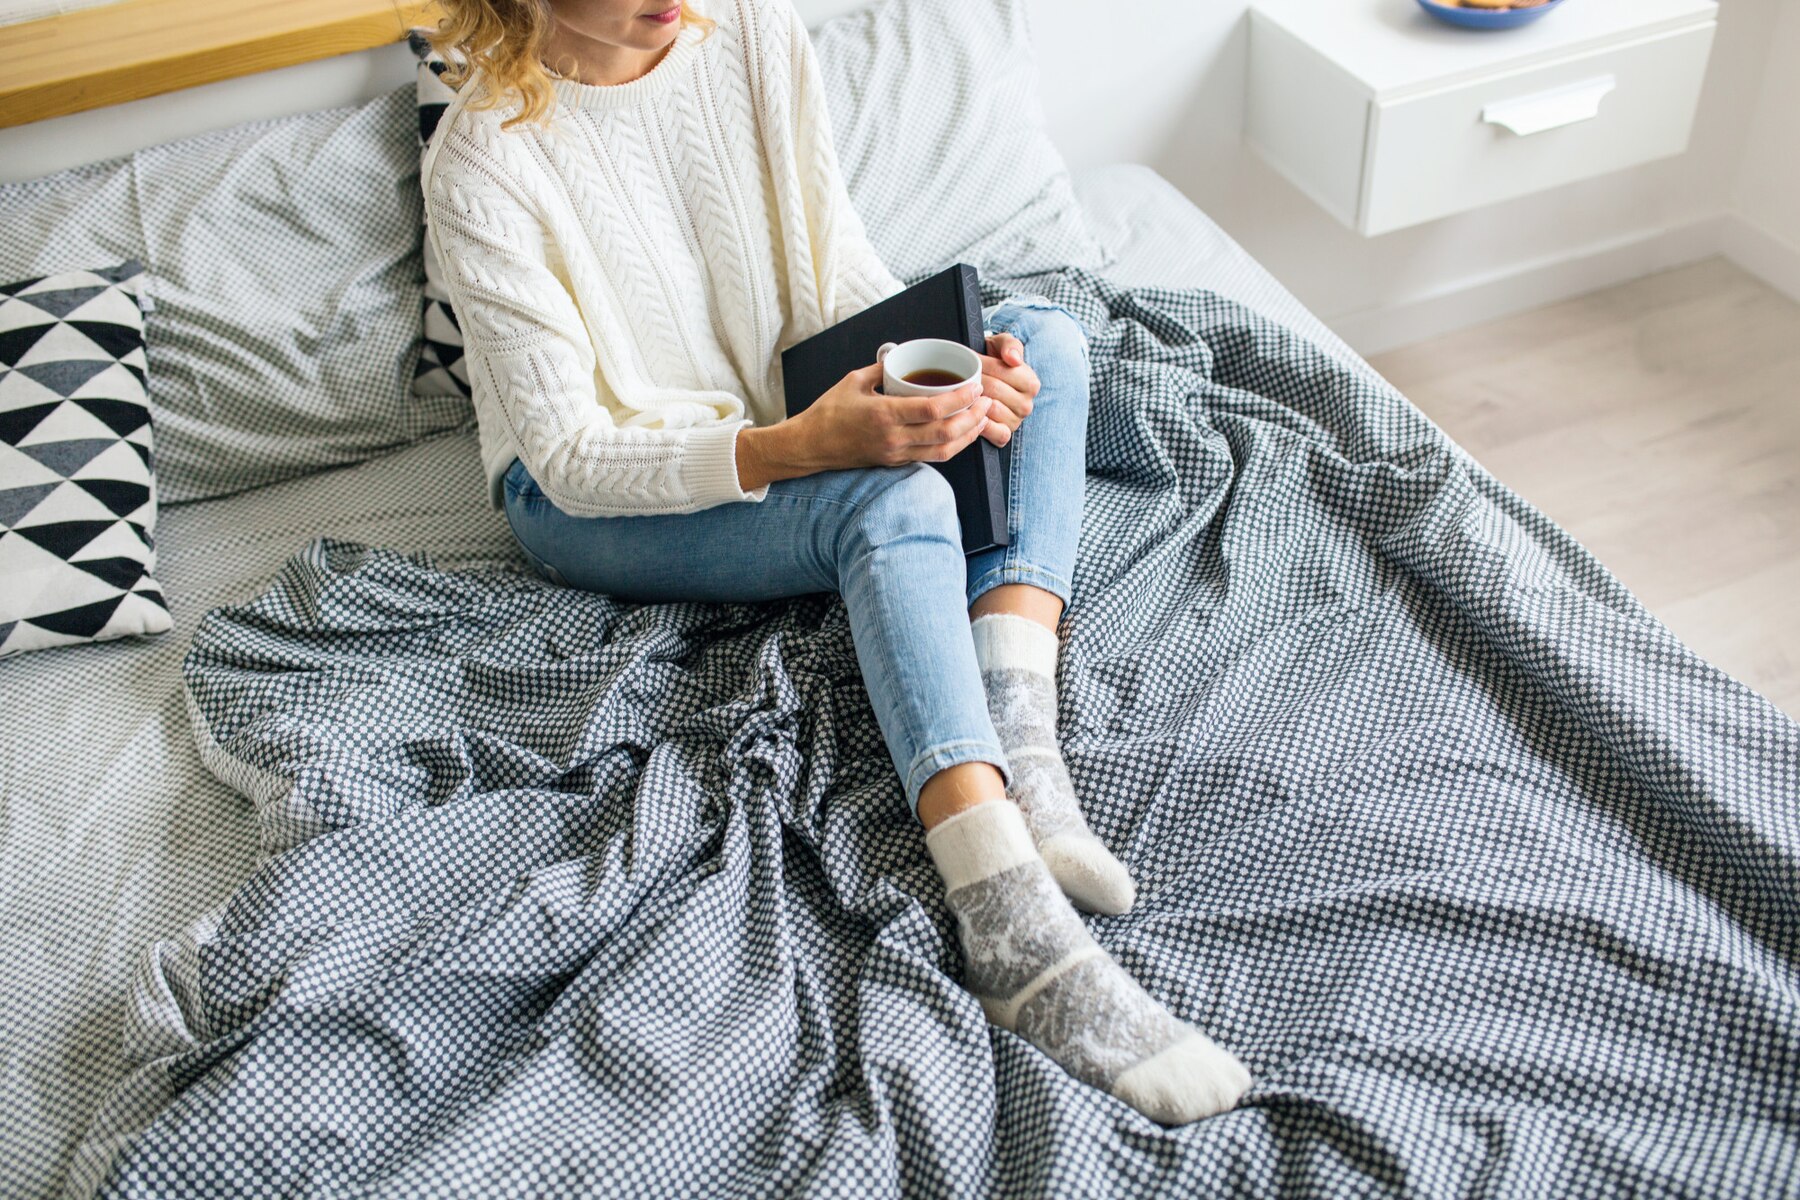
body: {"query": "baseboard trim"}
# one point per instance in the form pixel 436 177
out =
pixel 1775 262
pixel 1547 280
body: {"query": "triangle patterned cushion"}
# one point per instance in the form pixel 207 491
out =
pixel 440 370
pixel 77 479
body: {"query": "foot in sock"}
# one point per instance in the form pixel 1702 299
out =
pixel 1038 973
pixel 1018 668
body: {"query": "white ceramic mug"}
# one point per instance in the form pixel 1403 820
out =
pixel 925 354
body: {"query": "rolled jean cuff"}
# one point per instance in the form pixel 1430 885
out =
pixel 1037 577
pixel 932 759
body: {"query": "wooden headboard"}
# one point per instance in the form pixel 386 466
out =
pixel 102 82
pixel 94 57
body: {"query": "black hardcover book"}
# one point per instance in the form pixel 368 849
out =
pixel 947 306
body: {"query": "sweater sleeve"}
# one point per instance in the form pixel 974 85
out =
pixel 532 365
pixel 852 273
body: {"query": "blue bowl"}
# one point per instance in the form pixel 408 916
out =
pixel 1486 18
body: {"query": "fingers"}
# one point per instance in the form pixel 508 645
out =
pixel 936 441
pixel 919 410
pixel 941 441
pixel 1021 379
pixel 953 428
pixel 1007 348
pixel 945 451
pixel 865 379
pixel 1013 407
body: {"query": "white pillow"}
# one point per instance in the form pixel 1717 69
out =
pixel 940 135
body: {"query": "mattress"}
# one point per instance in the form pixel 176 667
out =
pixel 112 833
pixel 1159 239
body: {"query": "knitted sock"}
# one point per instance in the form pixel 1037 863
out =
pixel 1037 972
pixel 1017 657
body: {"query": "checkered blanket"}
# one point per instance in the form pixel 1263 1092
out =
pixel 1489 880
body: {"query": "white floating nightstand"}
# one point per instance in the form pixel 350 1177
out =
pixel 1387 117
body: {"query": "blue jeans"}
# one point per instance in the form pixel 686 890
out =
pixel 885 538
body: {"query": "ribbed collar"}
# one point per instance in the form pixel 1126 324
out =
pixel 667 73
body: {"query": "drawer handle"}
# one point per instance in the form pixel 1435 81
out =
pixel 1552 109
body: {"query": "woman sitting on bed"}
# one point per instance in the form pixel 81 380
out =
pixel 637 206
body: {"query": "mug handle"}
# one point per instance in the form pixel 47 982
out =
pixel 881 354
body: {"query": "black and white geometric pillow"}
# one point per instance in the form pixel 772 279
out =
pixel 77 480
pixel 441 370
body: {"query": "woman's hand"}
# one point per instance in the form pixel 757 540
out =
pixel 1006 380
pixel 853 425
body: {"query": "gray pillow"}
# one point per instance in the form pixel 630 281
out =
pixel 940 135
pixel 283 260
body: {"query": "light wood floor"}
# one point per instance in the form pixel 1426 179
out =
pixel 1659 422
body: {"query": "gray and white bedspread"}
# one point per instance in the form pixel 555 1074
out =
pixel 1493 884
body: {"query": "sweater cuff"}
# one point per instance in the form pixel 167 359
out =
pixel 709 466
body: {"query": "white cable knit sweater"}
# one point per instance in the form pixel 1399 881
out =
pixel 626 278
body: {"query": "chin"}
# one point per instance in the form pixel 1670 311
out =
pixel 655 39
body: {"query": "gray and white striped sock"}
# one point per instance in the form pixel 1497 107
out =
pixel 1017 657
pixel 1039 973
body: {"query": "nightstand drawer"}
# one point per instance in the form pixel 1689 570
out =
pixel 1436 153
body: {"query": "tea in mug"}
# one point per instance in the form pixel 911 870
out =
pixel 932 377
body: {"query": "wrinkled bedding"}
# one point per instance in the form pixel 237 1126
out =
pixel 112 832
pixel 1489 880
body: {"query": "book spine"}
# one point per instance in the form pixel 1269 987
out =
pixel 970 293
pixel 994 462
pixel 985 525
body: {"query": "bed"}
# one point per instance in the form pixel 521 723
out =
pixel 117 834
pixel 1677 805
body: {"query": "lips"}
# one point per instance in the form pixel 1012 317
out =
pixel 666 16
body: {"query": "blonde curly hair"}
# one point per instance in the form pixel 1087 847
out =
pixel 507 39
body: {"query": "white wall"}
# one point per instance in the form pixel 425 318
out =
pixel 1766 234
pixel 1172 95
pixel 1162 82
